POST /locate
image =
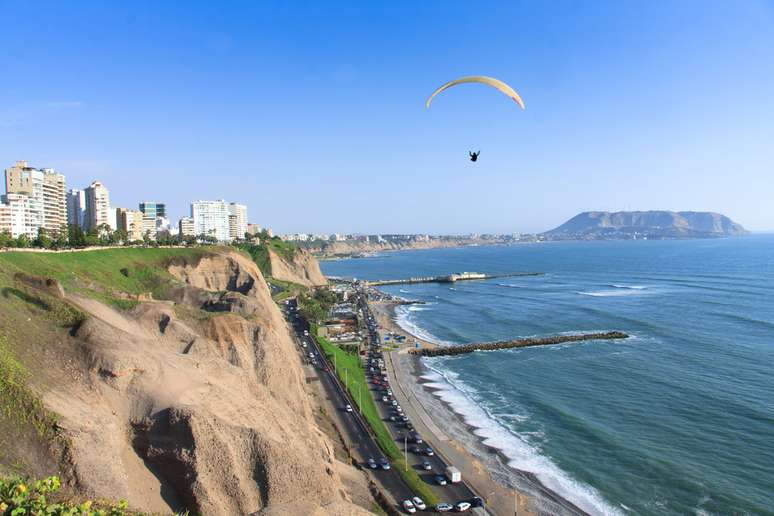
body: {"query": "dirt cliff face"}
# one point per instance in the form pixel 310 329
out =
pixel 207 414
pixel 302 269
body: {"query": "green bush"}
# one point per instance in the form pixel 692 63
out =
pixel 18 497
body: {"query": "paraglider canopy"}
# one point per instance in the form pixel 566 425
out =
pixel 489 81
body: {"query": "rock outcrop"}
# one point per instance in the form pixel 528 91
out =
pixel 303 268
pixel 208 415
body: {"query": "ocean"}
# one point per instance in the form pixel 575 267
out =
pixel 678 419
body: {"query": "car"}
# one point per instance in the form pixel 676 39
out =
pixel 427 466
pixel 461 506
pixel 311 355
pixel 476 502
pixel 441 481
pixel 303 344
pixel 348 408
pixel 408 506
pixel 389 392
pixel 394 403
pixel 372 463
pixel 415 449
pixel 429 452
pixel 418 503
pixel 384 463
pixel 404 419
pixel 385 399
pixel 399 408
pixel 416 438
pixel 444 507
pixel 393 418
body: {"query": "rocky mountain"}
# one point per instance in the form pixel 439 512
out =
pixel 164 377
pixel 601 225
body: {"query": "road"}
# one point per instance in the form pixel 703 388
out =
pixel 352 427
pixel 450 493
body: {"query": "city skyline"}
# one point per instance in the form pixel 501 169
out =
pixel 626 109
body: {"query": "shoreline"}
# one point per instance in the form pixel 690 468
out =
pixel 485 467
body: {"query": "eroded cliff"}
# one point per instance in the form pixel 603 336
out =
pixel 173 407
pixel 302 268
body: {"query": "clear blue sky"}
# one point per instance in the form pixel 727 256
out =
pixel 313 114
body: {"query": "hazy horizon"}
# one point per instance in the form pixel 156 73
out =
pixel 314 115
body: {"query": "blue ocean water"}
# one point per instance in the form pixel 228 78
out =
pixel 678 419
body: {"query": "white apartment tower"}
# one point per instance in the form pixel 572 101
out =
pixel 237 220
pixel 44 190
pixel 210 218
pixel 98 206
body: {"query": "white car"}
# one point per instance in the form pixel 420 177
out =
pixel 409 507
pixel 444 507
pixel 462 507
pixel 418 503
pixel 348 408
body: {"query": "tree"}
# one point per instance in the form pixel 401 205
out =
pixel 75 236
pixel 23 241
pixel 42 240
pixel 6 239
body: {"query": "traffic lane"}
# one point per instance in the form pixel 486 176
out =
pixel 359 439
pixel 450 492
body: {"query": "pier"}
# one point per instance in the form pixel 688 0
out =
pixel 449 278
pixel 516 343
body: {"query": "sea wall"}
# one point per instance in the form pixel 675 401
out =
pixel 516 343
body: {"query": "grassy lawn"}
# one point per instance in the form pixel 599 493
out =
pixel 99 274
pixel 260 253
pixel 350 372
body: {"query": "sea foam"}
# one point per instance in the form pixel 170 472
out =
pixel 520 453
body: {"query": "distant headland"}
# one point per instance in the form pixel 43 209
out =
pixel 603 225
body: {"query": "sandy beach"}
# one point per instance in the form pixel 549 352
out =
pixel 505 489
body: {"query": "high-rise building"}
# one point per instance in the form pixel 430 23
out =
pixel 130 221
pixel 54 202
pixel 14 216
pixel 76 208
pixel 210 219
pixel 45 192
pixel 237 220
pixel 253 229
pixel 152 211
pixel 186 227
pixel 97 206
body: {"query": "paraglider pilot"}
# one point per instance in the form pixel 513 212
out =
pixel 474 155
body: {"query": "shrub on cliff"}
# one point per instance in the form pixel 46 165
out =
pixel 20 497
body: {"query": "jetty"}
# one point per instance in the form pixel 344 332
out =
pixel 516 343
pixel 449 278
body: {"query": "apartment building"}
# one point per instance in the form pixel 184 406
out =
pixel 210 219
pixel 98 207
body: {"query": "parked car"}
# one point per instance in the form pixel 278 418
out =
pixel 418 503
pixel 429 452
pixel 384 463
pixel 461 506
pixel 372 463
pixel 416 438
pixel 408 506
pixel 393 418
pixel 384 399
pixel 440 480
pixel 415 449
pixel 427 466
pixel 444 507
pixel 476 502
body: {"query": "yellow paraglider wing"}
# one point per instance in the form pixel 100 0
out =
pixel 489 81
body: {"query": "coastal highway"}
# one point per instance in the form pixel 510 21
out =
pixel 352 427
pixel 450 493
